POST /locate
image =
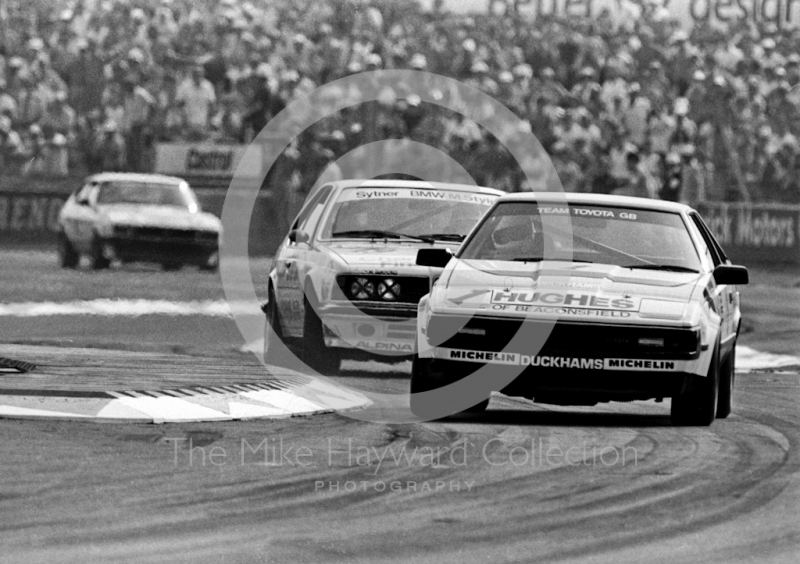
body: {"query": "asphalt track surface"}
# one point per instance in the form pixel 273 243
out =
pixel 522 483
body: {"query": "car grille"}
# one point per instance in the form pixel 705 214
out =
pixel 577 339
pixel 369 290
pixel 165 234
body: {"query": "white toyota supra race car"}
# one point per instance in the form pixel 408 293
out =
pixel 574 299
pixel 345 281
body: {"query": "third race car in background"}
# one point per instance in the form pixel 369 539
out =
pixel 137 218
pixel 577 299
pixel 344 281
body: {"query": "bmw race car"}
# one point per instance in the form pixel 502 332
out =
pixel 137 218
pixel 344 282
pixel 574 299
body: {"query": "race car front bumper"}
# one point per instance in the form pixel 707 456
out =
pixel 572 377
pixel 130 249
pixel 384 331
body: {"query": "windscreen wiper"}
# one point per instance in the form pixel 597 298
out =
pixel 378 234
pixel 539 259
pixel 445 236
pixel 667 267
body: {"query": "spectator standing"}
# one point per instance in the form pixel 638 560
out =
pixel 568 171
pixel 8 105
pixel 635 117
pixel 655 86
pixel 614 87
pixel 661 130
pixel 11 149
pixel 35 152
pixel 681 57
pixel 136 109
pixel 697 96
pixel 550 88
pixel 636 182
pixel 197 98
pixel 602 181
pixel 111 148
pixel 59 118
pixel 693 177
pixel 32 100
pixel 264 104
pixel 85 78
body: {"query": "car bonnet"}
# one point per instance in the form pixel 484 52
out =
pixel 551 288
pixel 155 216
pixel 382 253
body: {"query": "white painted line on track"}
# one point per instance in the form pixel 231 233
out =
pixel 128 308
pixel 17 411
pixel 748 359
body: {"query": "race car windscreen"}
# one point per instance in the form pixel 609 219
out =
pixel 142 193
pixel 631 238
pixel 398 213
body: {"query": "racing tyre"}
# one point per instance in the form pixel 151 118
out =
pixel 423 379
pixel 99 260
pixel 68 257
pixel 275 351
pixel 314 352
pixel 697 406
pixel 727 375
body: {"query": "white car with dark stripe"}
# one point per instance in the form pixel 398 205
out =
pixel 344 282
pixel 575 299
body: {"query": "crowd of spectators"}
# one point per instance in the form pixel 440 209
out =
pixel 627 103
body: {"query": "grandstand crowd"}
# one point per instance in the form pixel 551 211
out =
pixel 631 104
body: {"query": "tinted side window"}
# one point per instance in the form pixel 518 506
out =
pixel 717 255
pixel 305 211
pixel 309 224
pixel 84 192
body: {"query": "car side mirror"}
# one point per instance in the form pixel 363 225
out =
pixel 437 258
pixel 298 236
pixel 731 274
pixel 83 202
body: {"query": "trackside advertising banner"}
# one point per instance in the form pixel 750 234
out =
pixel 205 159
pixel 29 218
pixel 755 232
pixel 783 13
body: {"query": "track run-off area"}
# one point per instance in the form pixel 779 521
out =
pixel 522 483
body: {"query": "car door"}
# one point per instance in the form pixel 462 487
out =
pixel 295 260
pixel 726 297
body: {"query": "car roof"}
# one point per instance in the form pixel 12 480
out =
pixel 596 199
pixel 134 177
pixel 356 183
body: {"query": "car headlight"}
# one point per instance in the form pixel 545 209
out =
pixel 389 290
pixel 362 289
